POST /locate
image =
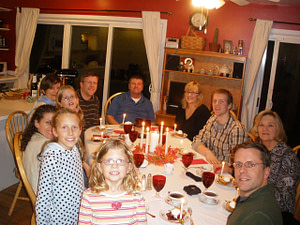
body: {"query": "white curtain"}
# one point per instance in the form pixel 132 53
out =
pixel 26 22
pixel 152 36
pixel 251 90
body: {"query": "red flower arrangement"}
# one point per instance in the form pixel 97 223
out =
pixel 159 157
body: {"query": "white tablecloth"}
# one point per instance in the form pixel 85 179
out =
pixel 202 214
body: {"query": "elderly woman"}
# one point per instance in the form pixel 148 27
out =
pixel 285 167
pixel 193 115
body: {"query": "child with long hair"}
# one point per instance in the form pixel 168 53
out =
pixel 36 134
pixel 61 179
pixel 113 197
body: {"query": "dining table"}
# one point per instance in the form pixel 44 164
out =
pixel 202 213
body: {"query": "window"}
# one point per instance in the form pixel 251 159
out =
pixel 113 47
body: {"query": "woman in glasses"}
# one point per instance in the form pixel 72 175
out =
pixel 285 167
pixel 193 114
pixel 113 197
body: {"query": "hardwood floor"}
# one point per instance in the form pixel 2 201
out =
pixel 23 209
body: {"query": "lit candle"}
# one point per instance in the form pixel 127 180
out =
pixel 161 133
pixel 154 141
pixel 166 145
pixel 100 121
pixel 175 126
pixel 223 164
pixel 124 116
pixel 147 141
pixel 142 134
pixel 181 207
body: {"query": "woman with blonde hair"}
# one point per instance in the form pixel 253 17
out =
pixel 193 114
pixel 285 167
pixel 113 197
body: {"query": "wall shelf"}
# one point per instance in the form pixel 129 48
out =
pixel 5 29
pixel 4 49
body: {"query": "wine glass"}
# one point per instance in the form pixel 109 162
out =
pixel 128 127
pixel 187 160
pixel 208 179
pixel 159 182
pixel 138 159
pixel 133 136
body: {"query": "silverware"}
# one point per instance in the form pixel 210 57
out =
pixel 153 216
pixel 190 212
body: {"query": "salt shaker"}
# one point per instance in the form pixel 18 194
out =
pixel 144 182
pixel 149 182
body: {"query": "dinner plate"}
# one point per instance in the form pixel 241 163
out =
pixel 184 135
pixel 169 201
pixel 204 201
pixel 163 215
pixel 231 185
pixel 225 207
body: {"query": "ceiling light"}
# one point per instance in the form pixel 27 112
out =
pixel 208 4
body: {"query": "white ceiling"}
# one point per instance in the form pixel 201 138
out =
pixel 286 2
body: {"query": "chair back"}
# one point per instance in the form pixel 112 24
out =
pixel 296 149
pixel 109 101
pixel 16 122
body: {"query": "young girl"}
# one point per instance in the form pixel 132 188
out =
pixel 61 180
pixel 37 133
pixel 112 197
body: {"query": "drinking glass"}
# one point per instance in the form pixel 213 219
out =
pixel 128 127
pixel 187 160
pixel 138 159
pixel 208 179
pixel 133 136
pixel 159 182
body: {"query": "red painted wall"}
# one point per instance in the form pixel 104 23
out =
pixel 232 20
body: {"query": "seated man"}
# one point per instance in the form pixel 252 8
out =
pixel 256 203
pixel 133 103
pixel 221 132
pixel 88 101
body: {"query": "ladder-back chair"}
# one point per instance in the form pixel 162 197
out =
pixel 16 122
pixel 109 101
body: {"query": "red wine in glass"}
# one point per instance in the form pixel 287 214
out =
pixel 133 135
pixel 208 179
pixel 187 159
pixel 159 182
pixel 138 159
pixel 128 127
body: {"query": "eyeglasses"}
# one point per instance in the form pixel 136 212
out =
pixel 192 93
pixel 110 162
pixel 67 98
pixel 91 82
pixel 248 164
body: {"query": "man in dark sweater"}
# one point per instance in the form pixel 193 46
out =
pixel 256 204
pixel 88 101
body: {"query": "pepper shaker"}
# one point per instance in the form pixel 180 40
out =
pixel 149 182
pixel 144 182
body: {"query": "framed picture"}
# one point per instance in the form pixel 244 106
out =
pixel 227 46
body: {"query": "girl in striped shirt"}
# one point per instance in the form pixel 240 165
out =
pixel 112 197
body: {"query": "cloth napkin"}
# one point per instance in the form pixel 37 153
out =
pixel 192 190
pixel 199 161
pixel 194 177
pixel 119 131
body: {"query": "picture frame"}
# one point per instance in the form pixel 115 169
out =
pixel 3 68
pixel 227 45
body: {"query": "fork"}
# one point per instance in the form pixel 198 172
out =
pixel 190 212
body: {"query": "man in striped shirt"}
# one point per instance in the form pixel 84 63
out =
pixel 221 132
pixel 88 101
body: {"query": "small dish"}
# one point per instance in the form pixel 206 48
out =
pixel 204 201
pixel 163 215
pixel 169 201
pixel 226 185
pixel 227 207
pixel 179 135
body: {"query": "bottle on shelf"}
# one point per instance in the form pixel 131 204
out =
pixel 34 87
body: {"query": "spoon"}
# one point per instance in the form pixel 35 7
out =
pixel 153 216
pixel 190 212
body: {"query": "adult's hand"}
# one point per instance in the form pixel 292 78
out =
pixel 211 158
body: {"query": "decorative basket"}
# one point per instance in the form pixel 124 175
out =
pixel 192 41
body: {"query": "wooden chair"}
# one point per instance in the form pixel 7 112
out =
pixel 109 101
pixel 252 138
pixel 19 161
pixel 296 149
pixel 16 122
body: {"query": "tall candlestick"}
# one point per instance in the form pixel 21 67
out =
pixel 223 164
pixel 181 207
pixel 175 126
pixel 166 145
pixel 142 134
pixel 147 140
pixel 161 132
pixel 100 121
pixel 154 141
pixel 124 116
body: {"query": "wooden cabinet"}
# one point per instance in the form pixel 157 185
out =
pixel 3 32
pixel 207 62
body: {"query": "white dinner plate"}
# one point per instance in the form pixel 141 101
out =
pixel 204 201
pixel 163 215
pixel 230 186
pixel 225 207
